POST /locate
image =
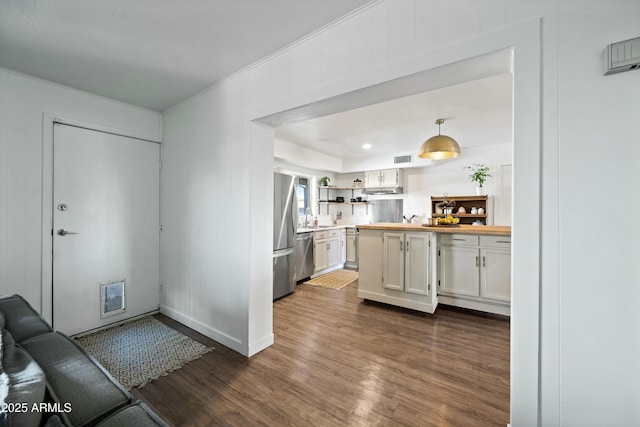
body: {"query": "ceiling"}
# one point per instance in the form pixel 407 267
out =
pixel 155 54
pixel 477 112
pixel 152 53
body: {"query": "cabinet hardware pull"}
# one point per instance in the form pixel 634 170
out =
pixel 460 240
pixel 502 241
pixel 400 246
pixel 477 261
pixel 484 261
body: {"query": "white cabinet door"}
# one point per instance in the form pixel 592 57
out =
pixel 320 259
pixel 416 261
pixel 389 178
pixel 393 261
pixel 371 253
pixel 383 178
pixel 459 271
pixel 343 246
pixel 372 179
pixel 333 251
pixel 351 248
pixel 495 274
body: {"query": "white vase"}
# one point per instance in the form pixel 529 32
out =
pixel 480 191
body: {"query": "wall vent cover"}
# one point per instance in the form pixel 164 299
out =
pixel 622 56
pixel 402 159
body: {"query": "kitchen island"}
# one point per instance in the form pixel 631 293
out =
pixel 494 230
pixel 418 267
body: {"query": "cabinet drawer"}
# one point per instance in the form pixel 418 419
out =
pixel 496 241
pixel 318 235
pixel 459 239
pixel 351 231
pixel 334 233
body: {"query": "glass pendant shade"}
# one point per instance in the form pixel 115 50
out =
pixel 439 147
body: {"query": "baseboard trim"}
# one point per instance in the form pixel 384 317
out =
pixel 114 324
pixel 400 302
pixel 327 270
pixel 222 338
pixel 495 308
pixel 260 345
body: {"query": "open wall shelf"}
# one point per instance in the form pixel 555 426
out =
pixel 467 202
pixel 330 193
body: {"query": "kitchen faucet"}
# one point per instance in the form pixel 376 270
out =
pixel 307 212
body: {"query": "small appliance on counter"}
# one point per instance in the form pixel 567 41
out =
pixel 431 222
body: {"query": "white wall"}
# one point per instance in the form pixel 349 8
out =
pixel 25 149
pixel 586 373
pixel 304 157
pixel 598 154
pixel 452 178
pixel 206 212
pixel 420 183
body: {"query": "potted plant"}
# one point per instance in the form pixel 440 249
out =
pixel 324 181
pixel 479 174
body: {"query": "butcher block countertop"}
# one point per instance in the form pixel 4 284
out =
pixel 494 230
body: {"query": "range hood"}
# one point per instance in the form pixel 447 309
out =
pixel 382 190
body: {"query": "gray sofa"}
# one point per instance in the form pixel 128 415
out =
pixel 48 379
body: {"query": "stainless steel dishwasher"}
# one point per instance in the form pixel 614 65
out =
pixel 304 255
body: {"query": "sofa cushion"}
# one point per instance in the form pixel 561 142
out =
pixel 21 319
pixel 4 389
pixel 75 378
pixel 54 421
pixel 27 384
pixel 138 415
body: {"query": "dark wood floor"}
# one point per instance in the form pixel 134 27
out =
pixel 340 361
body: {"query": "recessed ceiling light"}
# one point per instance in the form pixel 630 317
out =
pixel 366 146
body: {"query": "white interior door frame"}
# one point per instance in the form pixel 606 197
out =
pixel 48 121
pixel 526 41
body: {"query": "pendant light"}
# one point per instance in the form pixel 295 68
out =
pixel 439 147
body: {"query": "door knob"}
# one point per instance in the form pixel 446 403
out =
pixel 63 232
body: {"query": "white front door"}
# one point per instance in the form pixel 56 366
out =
pixel 105 226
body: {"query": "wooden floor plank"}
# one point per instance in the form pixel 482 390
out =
pixel 338 360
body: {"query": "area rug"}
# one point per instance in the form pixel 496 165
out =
pixel 336 279
pixel 143 350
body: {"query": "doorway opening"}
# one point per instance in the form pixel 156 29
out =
pixel 526 44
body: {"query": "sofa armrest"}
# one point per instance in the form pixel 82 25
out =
pixel 76 380
pixel 21 319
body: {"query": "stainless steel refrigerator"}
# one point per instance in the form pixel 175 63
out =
pixel 285 220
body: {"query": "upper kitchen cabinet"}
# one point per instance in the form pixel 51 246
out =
pixel 383 178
